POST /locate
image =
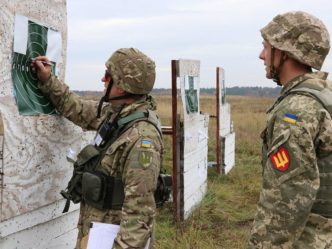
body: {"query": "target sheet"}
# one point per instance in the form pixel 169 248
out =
pixel 32 39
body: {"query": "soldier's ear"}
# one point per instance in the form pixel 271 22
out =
pixel 120 90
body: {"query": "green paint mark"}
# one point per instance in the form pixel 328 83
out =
pixel 191 97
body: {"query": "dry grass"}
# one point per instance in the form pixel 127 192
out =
pixel 224 218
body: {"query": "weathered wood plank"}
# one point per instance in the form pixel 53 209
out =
pixel 226 132
pixel 225 120
pixel 229 152
pixel 58 233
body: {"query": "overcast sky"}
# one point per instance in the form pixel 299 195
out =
pixel 221 33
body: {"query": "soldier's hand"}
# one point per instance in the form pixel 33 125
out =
pixel 43 67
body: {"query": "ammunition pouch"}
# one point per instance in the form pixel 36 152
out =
pixel 102 191
pixel 164 189
pixel 87 160
pixel 92 186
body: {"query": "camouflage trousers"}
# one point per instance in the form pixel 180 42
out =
pixel 317 234
pixel 89 214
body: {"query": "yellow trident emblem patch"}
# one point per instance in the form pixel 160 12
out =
pixel 281 159
pixel 145 158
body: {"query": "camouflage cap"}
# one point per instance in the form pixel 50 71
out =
pixel 132 70
pixel 301 35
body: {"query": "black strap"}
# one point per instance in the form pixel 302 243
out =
pixel 67 205
pixel 67 196
pixel 104 98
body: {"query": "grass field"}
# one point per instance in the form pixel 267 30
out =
pixel 224 218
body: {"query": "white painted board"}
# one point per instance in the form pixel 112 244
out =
pixel 226 133
pixel 195 162
pixel 195 140
pixel 229 152
pixel 225 120
pixel 34 163
pixel 60 232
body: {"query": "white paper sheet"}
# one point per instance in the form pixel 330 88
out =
pixel 102 235
pixel 54 45
pixel 54 40
pixel 20 34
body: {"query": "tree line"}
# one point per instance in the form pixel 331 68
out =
pixel 236 90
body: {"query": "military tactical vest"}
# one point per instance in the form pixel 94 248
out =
pixel 323 203
pixel 94 186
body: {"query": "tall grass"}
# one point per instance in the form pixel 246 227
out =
pixel 224 218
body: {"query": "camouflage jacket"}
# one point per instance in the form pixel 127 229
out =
pixel 297 134
pixel 123 157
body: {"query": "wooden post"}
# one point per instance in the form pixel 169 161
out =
pixel 174 140
pixel 218 121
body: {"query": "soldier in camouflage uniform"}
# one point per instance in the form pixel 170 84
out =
pixel 135 155
pixel 295 203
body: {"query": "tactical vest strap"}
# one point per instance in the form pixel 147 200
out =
pixel 322 95
pixel 323 202
pixel 89 161
pixel 149 117
pixel 132 117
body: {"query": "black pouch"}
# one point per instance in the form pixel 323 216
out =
pixel 86 159
pixel 164 189
pixel 102 191
pixel 92 187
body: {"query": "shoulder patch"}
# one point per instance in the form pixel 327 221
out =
pixel 145 158
pixel 145 143
pixel 281 159
pixel 290 118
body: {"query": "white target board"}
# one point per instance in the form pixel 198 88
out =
pixel 32 39
pixel 226 133
pixel 33 167
pixel 195 137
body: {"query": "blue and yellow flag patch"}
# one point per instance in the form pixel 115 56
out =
pixel 290 118
pixel 145 143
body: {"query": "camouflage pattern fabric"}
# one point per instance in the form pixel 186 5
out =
pixel 301 35
pixel 136 155
pixel 132 70
pixel 298 132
